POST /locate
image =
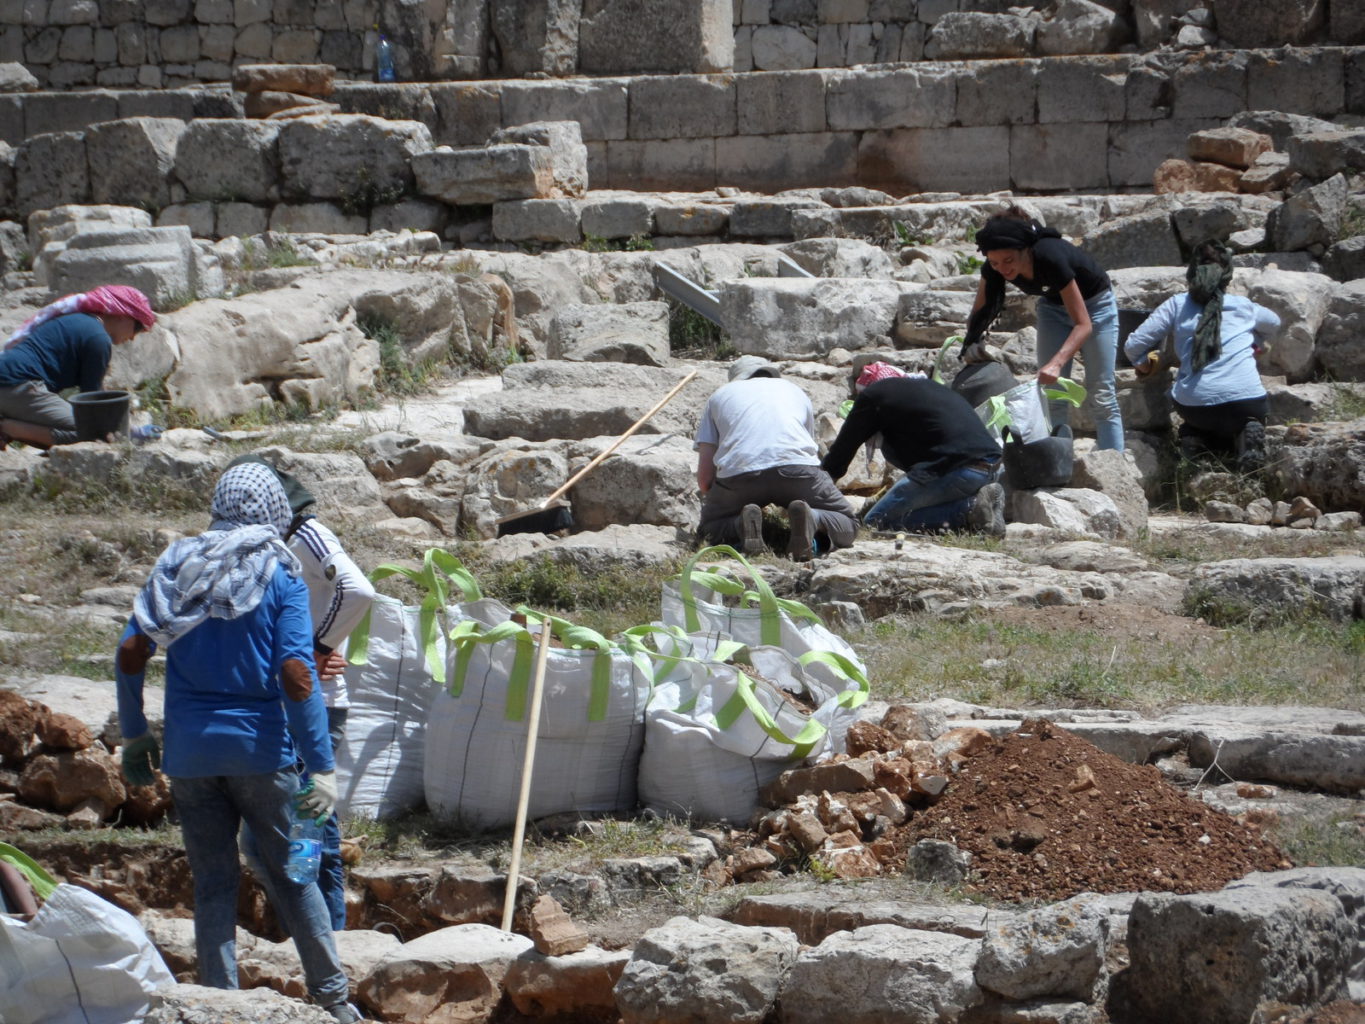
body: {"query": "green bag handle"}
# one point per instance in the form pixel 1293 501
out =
pixel 1065 390
pixel 44 885
pixel 468 633
pixel 770 628
pixel 849 699
pixel 937 374
pixel 439 572
pixel 663 662
pixel 745 699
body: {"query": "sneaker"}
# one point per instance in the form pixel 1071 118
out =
pixel 801 547
pixel 987 514
pixel 1251 448
pixel 751 521
pixel 346 1013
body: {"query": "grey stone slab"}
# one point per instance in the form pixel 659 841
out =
pixel 486 175
pixel 780 102
pixel 1334 764
pixel 632 36
pixel 466 115
pixel 1297 81
pixel 396 101
pixel 1082 89
pixel 692 219
pixel 682 107
pixel 178 103
pixel 1059 156
pixel 11 119
pixel 765 218
pixel 50 170
pixel 903 98
pixel 935 159
pixel 600 106
pixel 537 220
pixel 998 92
pixel 662 164
pixel 1136 148
pixel 64 112
pixel 771 163
pixel 813 916
pixel 617 216
pixel 1215 86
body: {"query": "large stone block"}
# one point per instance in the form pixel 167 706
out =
pixel 617 216
pixel 394 101
pixel 903 98
pixel 303 79
pixel 692 219
pixel 1137 148
pixel 356 159
pixel 1319 155
pixel 599 105
pixel 67 111
pixel 1301 301
pixel 802 318
pixel 1313 217
pixel 1307 81
pixel 770 163
pixel 1212 958
pixel 159 261
pixel 1212 86
pixel 130 161
pixel 911 160
pixel 321 218
pixel 781 102
pixel 766 218
pixel 50 170
pixel 537 220
pixel 1339 348
pixel 537 35
pixel 632 332
pixel 686 107
pixel 564 143
pixel 782 48
pixel 1090 89
pixel 1079 26
pixel 633 36
pixel 1073 157
pixel 1139 240
pixel 998 92
pixel 1235 147
pixel 1248 24
pixel 666 164
pixel 230 160
pixel 972 34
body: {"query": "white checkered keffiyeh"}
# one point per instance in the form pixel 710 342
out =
pixel 223 573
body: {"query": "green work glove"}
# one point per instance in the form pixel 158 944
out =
pixel 141 759
pixel 319 798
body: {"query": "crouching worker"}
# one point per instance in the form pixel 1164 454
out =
pixel 1218 391
pixel 933 435
pixel 67 344
pixel 755 447
pixel 232 613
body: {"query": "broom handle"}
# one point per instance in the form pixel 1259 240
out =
pixel 509 902
pixel 620 440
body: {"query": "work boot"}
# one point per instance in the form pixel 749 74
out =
pixel 801 547
pixel 346 1013
pixel 1251 448
pixel 987 514
pixel 751 521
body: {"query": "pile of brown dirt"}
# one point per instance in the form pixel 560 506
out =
pixel 1046 815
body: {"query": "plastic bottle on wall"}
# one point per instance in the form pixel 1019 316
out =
pixel 383 60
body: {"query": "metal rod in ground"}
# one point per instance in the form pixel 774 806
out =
pixel 509 903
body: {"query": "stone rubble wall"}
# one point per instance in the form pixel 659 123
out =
pixel 155 44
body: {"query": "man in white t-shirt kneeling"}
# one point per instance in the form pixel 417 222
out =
pixel 755 447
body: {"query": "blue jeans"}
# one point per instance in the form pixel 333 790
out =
pixel 331 872
pixel 211 809
pixel 1099 351
pixel 925 500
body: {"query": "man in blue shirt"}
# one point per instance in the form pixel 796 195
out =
pixel 232 613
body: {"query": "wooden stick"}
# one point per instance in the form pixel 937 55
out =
pixel 509 902
pixel 620 440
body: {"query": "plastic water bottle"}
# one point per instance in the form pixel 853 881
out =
pixel 383 61
pixel 305 849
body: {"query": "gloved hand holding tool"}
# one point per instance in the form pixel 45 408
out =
pixel 141 759
pixel 319 798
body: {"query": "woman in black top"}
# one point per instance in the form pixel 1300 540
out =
pixel 1076 310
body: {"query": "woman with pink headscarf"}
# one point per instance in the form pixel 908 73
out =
pixel 64 345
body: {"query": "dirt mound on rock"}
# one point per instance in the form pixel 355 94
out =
pixel 1046 815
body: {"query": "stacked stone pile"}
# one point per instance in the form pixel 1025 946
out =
pixel 274 90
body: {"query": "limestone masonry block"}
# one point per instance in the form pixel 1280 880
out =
pixel 970 34
pixel 783 48
pixel 1235 147
pixel 782 102
pixel 690 106
pixel 599 106
pixel 241 220
pixel 306 79
pixel 662 164
pixel 466 115
pixel 692 219
pixel 1248 23
pixel 60 112
pixel 350 157
pixel 1068 156
pixel 775 162
pixel 230 159
pixel 1319 155
pixel 537 220
pixel 618 217
pixel 681 36
pixel 50 170
pixel 1082 90
pixel 1215 86
pixel 396 101
pixel 904 98
pixel 131 160
pixel 564 143
pixel 1135 147
pixel 486 175
pixel 801 318
pixel 159 261
pixel 998 92
pixel 1300 81
pixel 936 159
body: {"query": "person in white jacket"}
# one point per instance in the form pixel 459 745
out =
pixel 339 596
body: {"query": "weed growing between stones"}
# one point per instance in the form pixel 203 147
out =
pixel 366 193
pixel 692 336
pixel 1335 840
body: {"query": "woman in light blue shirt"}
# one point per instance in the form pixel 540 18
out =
pixel 1218 391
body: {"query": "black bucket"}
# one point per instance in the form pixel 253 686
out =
pixel 1045 463
pixel 977 382
pixel 100 413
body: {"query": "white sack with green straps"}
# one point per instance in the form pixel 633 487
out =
pixel 591 725
pixel 715 601
pixel 718 727
pixel 397 664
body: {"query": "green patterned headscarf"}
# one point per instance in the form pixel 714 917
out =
pixel 1208 275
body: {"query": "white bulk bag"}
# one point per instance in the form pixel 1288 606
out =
pixel 396 665
pixel 695 601
pixel 718 728
pixel 590 733
pixel 81 960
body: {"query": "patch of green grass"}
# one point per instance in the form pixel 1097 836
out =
pixel 282 252
pixel 907 237
pixel 397 376
pixel 1348 403
pixel 968 263
pixel 1337 840
pixel 692 336
pixel 365 194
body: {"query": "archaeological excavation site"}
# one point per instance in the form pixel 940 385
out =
pixel 682 512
